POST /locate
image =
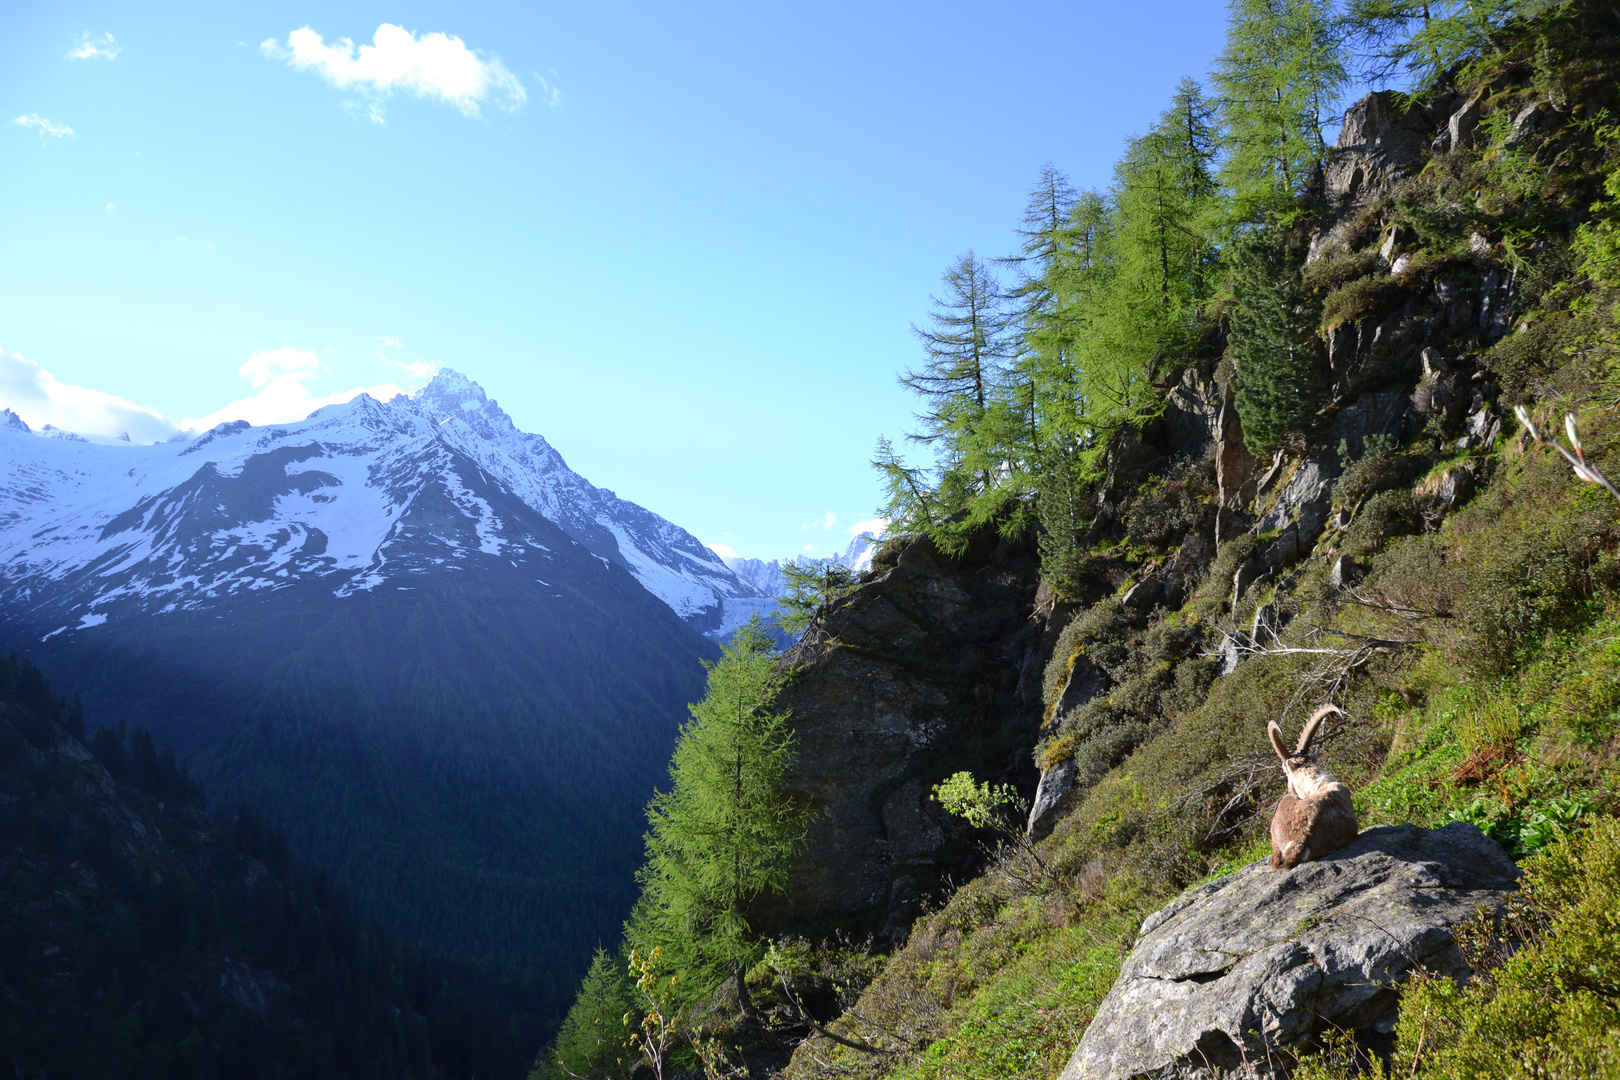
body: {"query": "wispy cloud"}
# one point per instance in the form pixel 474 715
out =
pixel 40 398
pixel 725 551
pixel 417 371
pixel 873 526
pixel 112 208
pixel 829 521
pixel 278 378
pixel 46 127
pixel 548 89
pixel 90 48
pixel 433 65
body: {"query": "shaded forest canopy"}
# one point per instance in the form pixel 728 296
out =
pixel 141 936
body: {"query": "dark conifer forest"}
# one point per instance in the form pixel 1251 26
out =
pixel 143 936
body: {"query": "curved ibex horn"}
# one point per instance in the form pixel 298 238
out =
pixel 1312 724
pixel 1277 742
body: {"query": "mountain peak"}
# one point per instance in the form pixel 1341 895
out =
pixel 450 390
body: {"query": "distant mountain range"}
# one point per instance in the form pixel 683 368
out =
pixel 766 579
pixel 450 667
pixel 91 532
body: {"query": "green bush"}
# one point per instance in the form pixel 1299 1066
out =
pixel 1545 997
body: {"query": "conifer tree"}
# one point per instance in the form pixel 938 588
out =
pixel 1426 38
pixel 1043 233
pixel 1164 194
pixel 1272 346
pixel 724 832
pixel 594 1040
pixel 967 342
pixel 809 585
pixel 1277 82
pixel 1061 341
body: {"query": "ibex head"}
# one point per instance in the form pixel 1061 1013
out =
pixel 1305 777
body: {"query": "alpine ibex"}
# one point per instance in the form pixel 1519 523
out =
pixel 1316 815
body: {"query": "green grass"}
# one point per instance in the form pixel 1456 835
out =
pixel 1027 1021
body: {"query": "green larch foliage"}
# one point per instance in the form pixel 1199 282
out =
pixel 1164 194
pixel 594 1040
pixel 967 342
pixel 724 832
pixel 809 585
pixel 1272 345
pixel 1277 82
pixel 1426 38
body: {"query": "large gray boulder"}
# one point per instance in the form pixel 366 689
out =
pixel 1242 973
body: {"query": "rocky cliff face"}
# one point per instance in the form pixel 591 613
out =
pixel 932 666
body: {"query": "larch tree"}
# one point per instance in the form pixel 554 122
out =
pixel 1424 39
pixel 1278 79
pixel 1164 195
pixel 1277 83
pixel 967 342
pixel 724 833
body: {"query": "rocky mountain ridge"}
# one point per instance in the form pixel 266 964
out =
pixel 1413 553
pixel 90 532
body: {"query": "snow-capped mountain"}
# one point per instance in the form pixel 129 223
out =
pixel 765 577
pixel 858 555
pixel 665 558
pixel 355 495
pixel 445 664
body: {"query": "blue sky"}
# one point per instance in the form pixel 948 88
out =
pixel 683 242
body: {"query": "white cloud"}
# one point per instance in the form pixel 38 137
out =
pixel 112 208
pixel 46 127
pixel 39 398
pixel 391 342
pixel 278 378
pixel 725 551
pixel 548 90
pixel 809 549
pixel 875 526
pixel 417 371
pixel 829 522
pixel 88 48
pixel 434 65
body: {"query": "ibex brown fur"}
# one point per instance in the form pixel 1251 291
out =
pixel 1316 816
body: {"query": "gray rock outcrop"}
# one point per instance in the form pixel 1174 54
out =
pixel 1245 972
pixel 1380 142
pixel 912 677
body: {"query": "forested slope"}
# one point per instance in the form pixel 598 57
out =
pixel 466 754
pixel 142 937
pixel 1254 407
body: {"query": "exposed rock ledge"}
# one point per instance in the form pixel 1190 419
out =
pixel 1263 960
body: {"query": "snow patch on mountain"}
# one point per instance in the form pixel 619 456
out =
pixel 667 560
pixel 355 494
